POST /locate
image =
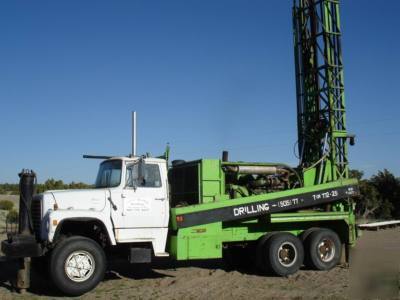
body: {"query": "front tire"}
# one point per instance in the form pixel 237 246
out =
pixel 77 265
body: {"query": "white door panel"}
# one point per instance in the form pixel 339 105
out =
pixel 143 203
pixel 144 208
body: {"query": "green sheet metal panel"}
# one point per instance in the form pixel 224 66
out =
pixel 200 242
pixel 206 241
pixel 211 180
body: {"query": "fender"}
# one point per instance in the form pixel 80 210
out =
pixel 55 219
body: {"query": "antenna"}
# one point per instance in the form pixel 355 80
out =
pixel 134 133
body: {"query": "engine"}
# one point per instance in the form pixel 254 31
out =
pixel 246 180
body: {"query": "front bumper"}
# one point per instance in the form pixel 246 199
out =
pixel 20 245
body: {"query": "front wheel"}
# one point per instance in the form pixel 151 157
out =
pixel 77 265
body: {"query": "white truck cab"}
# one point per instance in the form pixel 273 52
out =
pixel 129 202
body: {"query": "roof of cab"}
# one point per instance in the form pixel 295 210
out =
pixel 127 158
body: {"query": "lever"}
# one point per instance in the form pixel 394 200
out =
pixel 112 203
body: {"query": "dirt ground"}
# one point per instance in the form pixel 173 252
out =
pixel 374 274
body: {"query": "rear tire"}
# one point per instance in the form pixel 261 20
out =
pixel 261 263
pixel 77 265
pixel 305 234
pixel 323 250
pixel 284 254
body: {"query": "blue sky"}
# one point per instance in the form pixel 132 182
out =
pixel 203 75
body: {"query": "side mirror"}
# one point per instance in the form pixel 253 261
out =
pixel 138 179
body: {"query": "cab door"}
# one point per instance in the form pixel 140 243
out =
pixel 144 198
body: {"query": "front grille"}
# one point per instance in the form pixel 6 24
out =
pixel 36 213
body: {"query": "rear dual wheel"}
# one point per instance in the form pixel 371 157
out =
pixel 282 253
pixel 323 249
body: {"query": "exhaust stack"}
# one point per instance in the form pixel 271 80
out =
pixel 134 133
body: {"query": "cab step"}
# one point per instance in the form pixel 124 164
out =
pixel 162 254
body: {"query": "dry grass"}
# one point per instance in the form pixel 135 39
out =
pixel 3 214
pixel 13 198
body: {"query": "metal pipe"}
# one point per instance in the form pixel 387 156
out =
pixel 27 190
pixel 96 156
pixel 225 156
pixel 24 274
pixel 265 170
pixel 323 160
pixel 134 133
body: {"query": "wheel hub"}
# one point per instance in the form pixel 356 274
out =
pixel 287 254
pixel 326 250
pixel 79 266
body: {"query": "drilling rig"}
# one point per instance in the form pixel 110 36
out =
pixel 142 207
pixel 321 110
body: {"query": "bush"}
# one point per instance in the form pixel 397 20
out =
pixel 12 216
pixel 6 205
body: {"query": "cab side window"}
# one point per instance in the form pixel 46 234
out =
pixel 151 177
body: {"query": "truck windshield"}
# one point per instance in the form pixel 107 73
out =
pixel 109 174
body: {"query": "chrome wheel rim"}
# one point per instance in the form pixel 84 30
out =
pixel 79 266
pixel 326 250
pixel 287 254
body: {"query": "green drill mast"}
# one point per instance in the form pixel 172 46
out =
pixel 322 134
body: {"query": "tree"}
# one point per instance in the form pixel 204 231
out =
pixel 372 200
pixel 356 174
pixel 52 184
pixel 369 200
pixel 388 187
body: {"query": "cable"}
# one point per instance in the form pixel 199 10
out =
pixel 294 149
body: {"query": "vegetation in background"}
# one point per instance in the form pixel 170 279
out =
pixel 50 184
pixel 6 205
pixel 9 188
pixel 380 196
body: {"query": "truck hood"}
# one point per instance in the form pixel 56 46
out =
pixel 89 199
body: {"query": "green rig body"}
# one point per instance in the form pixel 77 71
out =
pixel 214 205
